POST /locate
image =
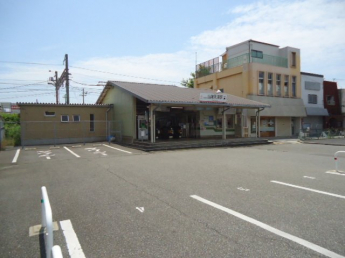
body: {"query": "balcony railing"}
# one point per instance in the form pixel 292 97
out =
pixel 271 60
pixel 213 65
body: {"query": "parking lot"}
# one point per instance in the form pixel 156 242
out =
pixel 279 200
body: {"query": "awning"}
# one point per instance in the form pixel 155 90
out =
pixel 282 107
pixel 316 111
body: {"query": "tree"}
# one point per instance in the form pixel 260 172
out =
pixel 189 83
pixel 203 71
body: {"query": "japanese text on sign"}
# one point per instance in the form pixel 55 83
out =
pixel 212 97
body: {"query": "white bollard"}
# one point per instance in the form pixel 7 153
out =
pixel 57 252
pixel 336 159
pixel 47 222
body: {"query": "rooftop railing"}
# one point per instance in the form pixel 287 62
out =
pixel 213 66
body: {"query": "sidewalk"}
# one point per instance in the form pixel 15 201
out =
pixel 333 141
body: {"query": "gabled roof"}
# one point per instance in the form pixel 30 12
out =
pixel 169 94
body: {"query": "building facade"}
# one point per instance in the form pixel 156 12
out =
pixel 332 104
pixel 43 123
pixel 260 72
pixel 312 95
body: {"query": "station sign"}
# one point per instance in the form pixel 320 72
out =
pixel 213 97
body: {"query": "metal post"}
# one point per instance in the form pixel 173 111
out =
pixel 47 222
pixel 224 125
pixel 151 123
pixel 336 159
pixel 55 134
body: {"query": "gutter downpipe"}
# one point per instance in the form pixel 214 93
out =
pixel 106 121
pixel 258 122
pixel 224 123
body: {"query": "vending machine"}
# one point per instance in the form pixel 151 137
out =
pixel 143 132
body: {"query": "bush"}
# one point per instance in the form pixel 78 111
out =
pixel 12 127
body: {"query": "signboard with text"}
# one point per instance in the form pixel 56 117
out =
pixel 213 97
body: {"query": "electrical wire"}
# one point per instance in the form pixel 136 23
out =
pixel 137 77
pixel 30 63
pixel 26 96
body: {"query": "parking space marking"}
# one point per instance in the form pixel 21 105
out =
pixel 335 173
pixel 46 154
pixel 309 189
pixel 16 156
pixel 310 177
pixel 243 189
pixel 72 152
pixel 96 151
pixel 73 245
pixel 117 149
pixel 273 230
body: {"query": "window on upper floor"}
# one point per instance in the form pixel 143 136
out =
pixel 270 84
pixel 293 86
pixel 312 98
pixel 257 54
pixel 278 85
pixel 293 59
pixel 49 113
pixel 261 83
pixel 64 118
pixel 76 118
pixel 330 100
pixel 286 86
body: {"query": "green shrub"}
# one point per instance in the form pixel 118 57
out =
pixel 12 127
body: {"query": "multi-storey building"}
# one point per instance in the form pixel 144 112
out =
pixel 260 72
pixel 332 104
pixel 312 95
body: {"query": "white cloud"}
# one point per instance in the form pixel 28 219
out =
pixel 316 27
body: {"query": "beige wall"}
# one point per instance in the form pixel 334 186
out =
pixel 243 80
pixel 124 110
pixel 255 68
pixel 37 128
pixel 283 126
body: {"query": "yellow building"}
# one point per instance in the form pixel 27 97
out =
pixel 261 72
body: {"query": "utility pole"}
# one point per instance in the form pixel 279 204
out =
pixel 67 78
pixel 84 94
pixel 57 86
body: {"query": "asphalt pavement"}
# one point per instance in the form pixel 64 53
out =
pixel 264 201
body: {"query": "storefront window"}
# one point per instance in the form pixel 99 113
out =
pixel 230 121
pixel 267 126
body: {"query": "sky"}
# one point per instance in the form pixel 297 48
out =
pixel 153 42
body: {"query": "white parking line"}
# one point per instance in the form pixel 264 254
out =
pixel 309 189
pixel 72 152
pixel 310 177
pixel 117 149
pixel 273 230
pixel 73 245
pixel 335 173
pixel 16 156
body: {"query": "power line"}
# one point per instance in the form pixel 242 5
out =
pixel 19 80
pixel 137 77
pixel 23 85
pixel 86 83
pixel 9 62
pixel 26 96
